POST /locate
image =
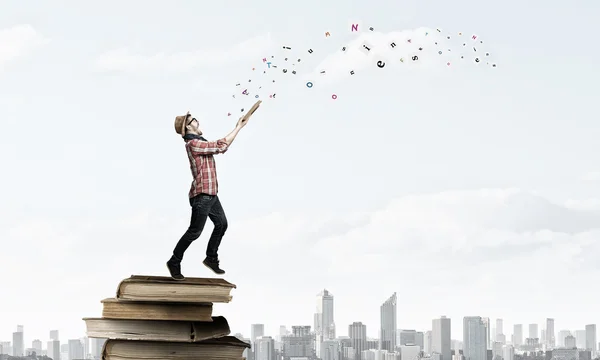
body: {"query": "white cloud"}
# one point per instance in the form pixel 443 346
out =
pixel 592 204
pixel 18 41
pixel 592 176
pixel 489 244
pixel 124 60
pixel 424 43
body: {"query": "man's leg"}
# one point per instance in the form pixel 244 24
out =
pixel 218 218
pixel 201 205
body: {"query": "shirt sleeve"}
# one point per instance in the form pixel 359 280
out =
pixel 199 147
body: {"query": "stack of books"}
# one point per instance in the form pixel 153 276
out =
pixel 156 317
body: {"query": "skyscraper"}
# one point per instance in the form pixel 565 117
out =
pixel 53 349
pixel 562 334
pixel 517 338
pixel 590 338
pixel 18 345
pixel 533 331
pixel 37 346
pixel 441 337
pixel 387 338
pixel 358 336
pixel 499 329
pixel 53 336
pixel 580 339
pixel 487 325
pixel 474 338
pixel 324 323
pixel 264 348
pixel 256 331
pixel 427 342
pixel 75 349
pixel 508 352
pixel 550 334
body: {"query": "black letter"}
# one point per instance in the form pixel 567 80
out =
pixel 381 64
pixel 310 51
pixel 351 72
pixel 393 45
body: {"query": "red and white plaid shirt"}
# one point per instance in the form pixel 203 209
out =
pixel 202 163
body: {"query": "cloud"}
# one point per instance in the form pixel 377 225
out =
pixel 435 249
pixel 423 43
pixel 18 41
pixel 592 176
pixel 124 60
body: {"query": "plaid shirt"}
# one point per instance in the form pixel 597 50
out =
pixel 202 163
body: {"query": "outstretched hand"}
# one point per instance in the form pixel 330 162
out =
pixel 244 119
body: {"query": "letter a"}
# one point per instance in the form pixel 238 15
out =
pixel 354 27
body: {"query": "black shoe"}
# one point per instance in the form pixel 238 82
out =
pixel 213 264
pixel 175 270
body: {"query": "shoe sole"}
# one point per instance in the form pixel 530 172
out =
pixel 223 273
pixel 183 277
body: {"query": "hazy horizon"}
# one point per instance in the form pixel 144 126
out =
pixel 466 189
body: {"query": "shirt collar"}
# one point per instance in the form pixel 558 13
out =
pixel 193 136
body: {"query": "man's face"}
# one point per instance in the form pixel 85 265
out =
pixel 193 125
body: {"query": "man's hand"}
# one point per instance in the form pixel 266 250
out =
pixel 244 119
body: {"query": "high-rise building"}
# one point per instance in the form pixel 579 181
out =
pixel 299 344
pixel 256 331
pixel 517 337
pixel 54 335
pixel 85 343
pixel 474 338
pixel 405 336
pixel 570 342
pixel 562 334
pixel 387 338
pixel 75 349
pixel 358 336
pixel 96 347
pixel 441 337
pixel 543 336
pixel 508 352
pixel 533 331
pixel 53 350
pixel 264 348
pixel 37 346
pixel 580 339
pixel 499 328
pixel 590 338
pixel 409 352
pixel 419 340
pixel 487 325
pixel 550 334
pixel 324 323
pixel 330 350
pixel 427 342
pixel 18 344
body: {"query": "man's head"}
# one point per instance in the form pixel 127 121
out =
pixel 187 124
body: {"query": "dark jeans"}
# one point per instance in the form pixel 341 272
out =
pixel 203 206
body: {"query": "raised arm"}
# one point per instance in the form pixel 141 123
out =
pixel 200 147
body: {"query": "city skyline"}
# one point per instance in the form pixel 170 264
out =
pixel 437 338
pixel 466 190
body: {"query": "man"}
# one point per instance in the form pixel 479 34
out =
pixel 203 194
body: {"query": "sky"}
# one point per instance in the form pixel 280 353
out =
pixel 468 190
